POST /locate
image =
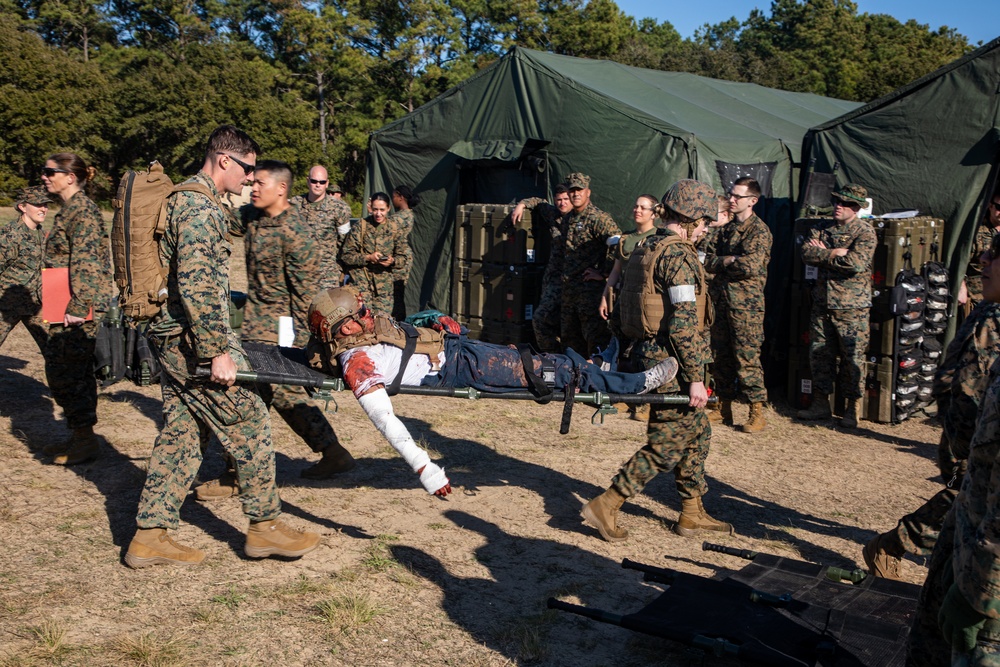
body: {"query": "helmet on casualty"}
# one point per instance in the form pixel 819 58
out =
pixel 330 308
pixel 692 199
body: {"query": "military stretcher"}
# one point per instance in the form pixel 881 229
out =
pixel 271 364
pixel 775 611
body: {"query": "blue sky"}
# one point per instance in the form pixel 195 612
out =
pixel 978 20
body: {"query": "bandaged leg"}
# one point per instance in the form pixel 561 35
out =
pixel 378 406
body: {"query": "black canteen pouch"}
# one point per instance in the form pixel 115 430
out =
pixel 109 349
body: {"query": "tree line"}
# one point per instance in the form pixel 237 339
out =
pixel 122 82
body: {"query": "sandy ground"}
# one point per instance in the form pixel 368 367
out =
pixel 403 578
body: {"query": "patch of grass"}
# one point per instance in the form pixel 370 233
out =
pixel 528 636
pixel 153 650
pixel 206 615
pixel 437 526
pixel 231 600
pixel 377 557
pixel 347 612
pixel 50 637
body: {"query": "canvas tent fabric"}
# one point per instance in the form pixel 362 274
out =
pixel 931 145
pixel 516 128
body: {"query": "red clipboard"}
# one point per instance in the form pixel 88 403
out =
pixel 56 295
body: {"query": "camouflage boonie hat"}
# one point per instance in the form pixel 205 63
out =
pixel 692 199
pixel 36 195
pixel 335 188
pixel 329 310
pixel 577 180
pixel 852 193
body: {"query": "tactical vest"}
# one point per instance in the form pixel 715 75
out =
pixel 390 332
pixel 644 312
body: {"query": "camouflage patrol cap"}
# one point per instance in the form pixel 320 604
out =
pixel 330 308
pixel 692 199
pixel 36 195
pixel 577 180
pixel 852 193
pixel 335 188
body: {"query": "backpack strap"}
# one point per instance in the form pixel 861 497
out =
pixel 186 186
pixel 411 345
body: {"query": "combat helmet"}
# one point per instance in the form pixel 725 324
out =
pixel 692 199
pixel 330 308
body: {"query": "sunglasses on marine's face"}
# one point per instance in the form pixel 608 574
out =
pixel 49 172
pixel 247 168
pixel 315 181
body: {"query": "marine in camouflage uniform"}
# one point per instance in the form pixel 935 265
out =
pixel 842 250
pixel 403 220
pixel 78 240
pixel 959 385
pixel 738 260
pixel 374 280
pixel 985 232
pixel 282 277
pixel 328 221
pixel 586 230
pixel 677 436
pixel 545 319
pixel 21 258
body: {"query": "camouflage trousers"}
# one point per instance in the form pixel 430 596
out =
pixel 581 326
pixel 235 415
pixel 737 337
pixel 677 440
pixel 927 647
pixel 17 306
pixel 377 289
pixel 919 530
pixel 69 371
pixel 838 332
pixel 305 419
pixel 545 319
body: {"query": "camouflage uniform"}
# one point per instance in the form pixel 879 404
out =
pixel 738 296
pixel 545 320
pixel 959 386
pixel 966 553
pixel 839 323
pixel 21 252
pixel 78 240
pixel 974 272
pixel 678 436
pixel 324 219
pixel 374 280
pixel 404 222
pixel 282 274
pixel 195 248
pixel 585 236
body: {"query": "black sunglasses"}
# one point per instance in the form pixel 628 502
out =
pixel 317 182
pixel 357 317
pixel 247 168
pixel 49 172
pixel 733 195
pixel 995 205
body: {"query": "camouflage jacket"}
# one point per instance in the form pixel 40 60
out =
pixel 585 246
pixel 976 559
pixel 79 240
pixel 843 282
pixel 195 248
pixel 21 256
pixel 549 214
pixel 741 284
pixel 678 267
pixel 282 276
pixel 974 272
pixel 324 219
pixel 403 220
pixel 365 238
pixel 960 381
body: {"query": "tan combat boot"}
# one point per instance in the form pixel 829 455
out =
pixel 694 519
pixel 883 555
pixel 277 538
pixel 820 408
pixel 83 446
pixel 602 512
pixel 756 421
pixel 335 460
pixel 714 414
pixel 226 486
pixel 152 546
pixel 851 413
pixel 61 447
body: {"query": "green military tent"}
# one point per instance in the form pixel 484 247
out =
pixel 932 145
pixel 517 127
